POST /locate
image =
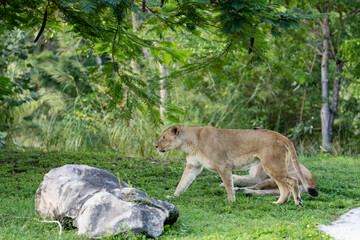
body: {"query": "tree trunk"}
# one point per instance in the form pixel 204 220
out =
pixel 163 91
pixel 335 98
pixel 99 62
pixel 302 107
pixel 325 109
pixel 135 23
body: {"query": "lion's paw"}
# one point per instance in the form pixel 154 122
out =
pixel 237 189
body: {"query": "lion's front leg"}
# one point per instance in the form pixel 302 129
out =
pixel 226 177
pixel 187 178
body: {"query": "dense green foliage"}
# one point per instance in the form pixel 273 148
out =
pixel 91 82
pixel 108 27
pixel 204 211
pixel 63 103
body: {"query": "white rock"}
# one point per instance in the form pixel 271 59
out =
pixel 98 205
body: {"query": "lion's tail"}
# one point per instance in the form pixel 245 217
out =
pixel 294 159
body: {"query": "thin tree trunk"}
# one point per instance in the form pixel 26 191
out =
pixel 134 65
pixel 325 109
pixel 335 98
pixel 163 91
pixel 99 62
pixel 135 23
pixel 310 69
pixel 337 82
pixel 302 107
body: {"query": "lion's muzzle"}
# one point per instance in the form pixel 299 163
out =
pixel 160 149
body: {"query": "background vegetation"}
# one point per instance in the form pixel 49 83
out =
pixel 87 87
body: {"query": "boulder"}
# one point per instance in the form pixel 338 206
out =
pixel 100 205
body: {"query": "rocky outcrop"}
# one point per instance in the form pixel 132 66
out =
pixel 100 205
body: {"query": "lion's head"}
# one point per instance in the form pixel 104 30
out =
pixel 170 139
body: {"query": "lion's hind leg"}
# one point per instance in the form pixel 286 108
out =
pixel 264 187
pixel 275 164
pixel 262 192
pixel 245 179
pixel 293 185
pixel 256 175
pixel 242 180
pixel 279 173
pixel 287 184
pixel 284 191
pixel 264 184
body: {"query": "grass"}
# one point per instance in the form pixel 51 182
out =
pixel 204 211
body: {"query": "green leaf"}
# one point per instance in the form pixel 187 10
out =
pixel 238 5
pixel 5 87
pixel 108 68
pixel 167 58
pixel 88 6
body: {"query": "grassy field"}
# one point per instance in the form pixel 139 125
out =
pixel 204 211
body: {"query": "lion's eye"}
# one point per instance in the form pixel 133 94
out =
pixel 163 137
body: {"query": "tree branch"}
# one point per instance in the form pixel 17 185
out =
pixel 311 9
pixel 164 19
pixel 354 13
pixel 203 22
pixel 216 58
pixel 42 28
pixel 64 11
pixel 309 45
pixel 310 69
pixel 313 64
pixel 331 5
pixel 341 25
pixel 314 48
pixel 128 36
pixel 333 50
pixel 204 64
pixel 313 30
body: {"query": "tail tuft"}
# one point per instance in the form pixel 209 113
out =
pixel 313 192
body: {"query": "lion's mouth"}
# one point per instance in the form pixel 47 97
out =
pixel 162 151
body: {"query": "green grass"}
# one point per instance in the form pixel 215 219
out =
pixel 204 211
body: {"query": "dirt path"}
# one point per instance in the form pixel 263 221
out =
pixel 346 227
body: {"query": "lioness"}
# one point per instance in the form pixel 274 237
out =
pixel 223 150
pixel 263 184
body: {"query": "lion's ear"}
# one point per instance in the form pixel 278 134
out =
pixel 175 130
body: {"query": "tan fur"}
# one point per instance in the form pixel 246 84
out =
pixel 224 150
pixel 263 184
